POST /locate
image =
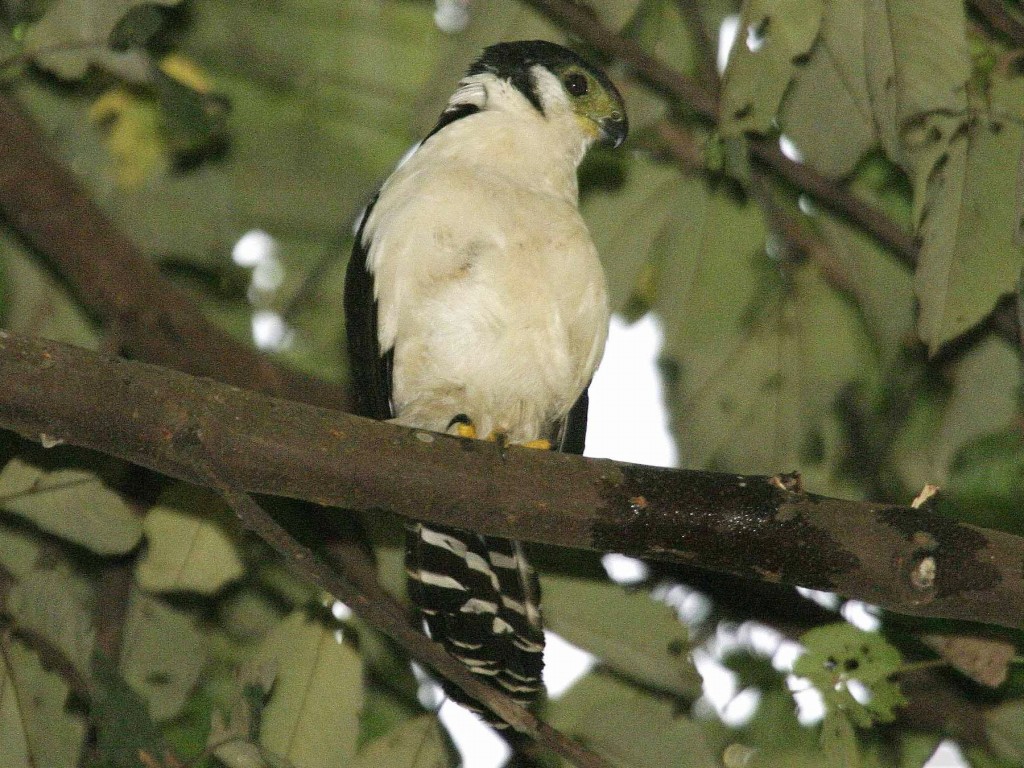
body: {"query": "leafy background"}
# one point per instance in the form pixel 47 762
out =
pixel 141 627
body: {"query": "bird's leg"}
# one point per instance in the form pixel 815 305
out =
pixel 464 426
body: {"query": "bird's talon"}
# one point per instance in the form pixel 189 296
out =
pixel 500 437
pixel 541 444
pixel 463 425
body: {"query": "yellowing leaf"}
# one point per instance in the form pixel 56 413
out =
pixel 190 543
pixel 36 727
pixel 186 71
pixel 312 719
pixel 597 616
pixel 73 504
pixel 136 145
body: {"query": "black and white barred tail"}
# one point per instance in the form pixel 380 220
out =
pixel 481 599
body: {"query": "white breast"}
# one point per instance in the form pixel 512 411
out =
pixel 488 285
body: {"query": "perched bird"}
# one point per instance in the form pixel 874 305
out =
pixel 475 304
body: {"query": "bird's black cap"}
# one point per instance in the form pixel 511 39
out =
pixel 512 61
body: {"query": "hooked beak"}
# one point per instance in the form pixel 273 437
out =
pixel 614 128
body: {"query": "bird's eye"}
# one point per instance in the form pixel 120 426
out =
pixel 576 84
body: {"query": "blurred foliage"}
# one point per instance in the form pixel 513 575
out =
pixel 141 627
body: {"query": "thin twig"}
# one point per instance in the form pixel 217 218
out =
pixel 1001 20
pixel 707 56
pixel 828 192
pixel 379 610
pixel 583 23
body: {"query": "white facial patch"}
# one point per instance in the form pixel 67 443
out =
pixel 550 91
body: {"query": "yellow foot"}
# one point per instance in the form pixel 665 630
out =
pixel 464 427
pixel 541 445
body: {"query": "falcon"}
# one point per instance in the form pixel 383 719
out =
pixel 475 304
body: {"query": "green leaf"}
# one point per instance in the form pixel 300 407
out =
pixel 54 606
pixel 917 58
pixel 969 258
pixel 36 728
pixel 19 550
pixel 192 538
pixel 312 719
pixel 75 34
pixel 34 300
pixel 594 614
pixel 390 688
pixel 71 503
pixel 880 283
pixel 838 654
pixel 248 614
pixel 828 112
pixel 163 652
pixel 489 22
pixel 772 36
pixel 985 484
pixel 417 743
pixel 756 351
pixel 385 661
pixel 630 224
pixel 839 741
pixel 137 26
pixel 629 727
pixel 233 736
pixel 982 399
pixel 1004 725
pixel 124 729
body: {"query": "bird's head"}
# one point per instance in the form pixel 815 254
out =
pixel 552 78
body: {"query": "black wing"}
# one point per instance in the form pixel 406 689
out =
pixel 573 433
pixel 370 368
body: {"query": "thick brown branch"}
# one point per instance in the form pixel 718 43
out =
pixel 906 560
pixel 147 316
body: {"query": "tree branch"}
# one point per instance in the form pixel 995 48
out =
pixel 376 607
pixel 906 560
pixel 1000 19
pixel 146 315
pixel 828 192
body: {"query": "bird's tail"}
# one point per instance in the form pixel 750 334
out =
pixel 481 599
